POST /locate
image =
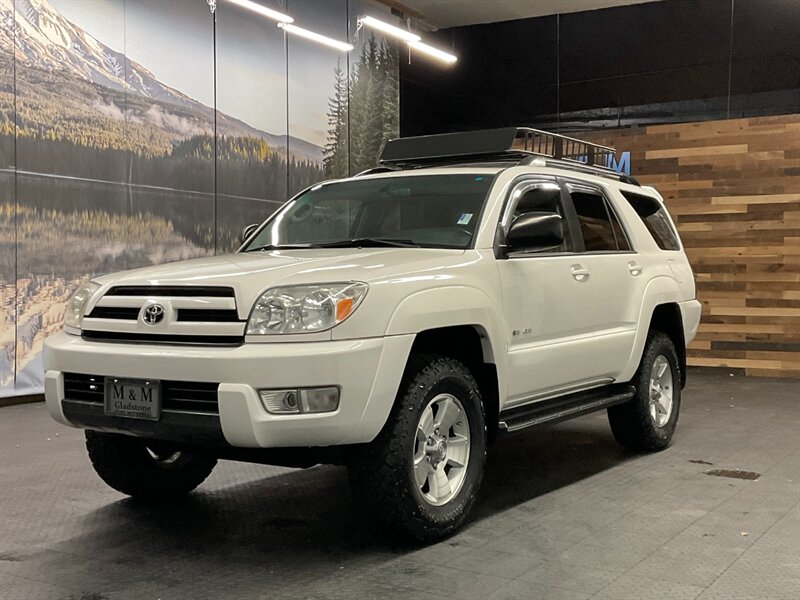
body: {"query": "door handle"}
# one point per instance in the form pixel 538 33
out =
pixel 579 272
pixel 635 268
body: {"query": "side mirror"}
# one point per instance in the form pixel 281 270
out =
pixel 248 231
pixel 535 231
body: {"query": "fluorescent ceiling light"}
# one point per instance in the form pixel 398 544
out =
pixel 397 32
pixel 316 37
pixel 263 10
pixel 434 52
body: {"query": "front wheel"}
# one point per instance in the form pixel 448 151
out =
pixel 647 423
pixel 146 469
pixel 421 475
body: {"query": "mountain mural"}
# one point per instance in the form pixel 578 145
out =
pixel 90 80
pixel 105 167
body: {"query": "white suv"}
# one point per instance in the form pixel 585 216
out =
pixel 396 322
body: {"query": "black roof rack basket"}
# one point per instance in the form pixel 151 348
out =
pixel 504 144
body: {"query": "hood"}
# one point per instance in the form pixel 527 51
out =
pixel 250 273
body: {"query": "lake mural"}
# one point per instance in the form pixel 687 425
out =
pixel 134 133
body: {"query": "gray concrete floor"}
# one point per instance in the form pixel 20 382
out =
pixel 564 513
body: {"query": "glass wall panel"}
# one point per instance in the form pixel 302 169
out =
pixel 251 119
pixel 374 108
pixel 317 92
pixel 8 209
pixel 71 89
pixel 169 69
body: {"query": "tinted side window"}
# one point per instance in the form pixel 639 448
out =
pixel 601 230
pixel 655 218
pixel 619 232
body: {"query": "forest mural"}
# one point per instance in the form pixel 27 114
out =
pixel 134 133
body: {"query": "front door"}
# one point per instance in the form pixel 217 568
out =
pixel 545 297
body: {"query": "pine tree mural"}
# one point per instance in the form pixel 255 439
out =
pixel 334 159
pixel 362 119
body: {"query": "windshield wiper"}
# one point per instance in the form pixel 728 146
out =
pixel 367 242
pixel 282 247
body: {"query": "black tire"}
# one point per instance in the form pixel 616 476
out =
pixel 382 472
pixel 146 469
pixel 632 423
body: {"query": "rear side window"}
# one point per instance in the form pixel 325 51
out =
pixel 599 225
pixel 655 218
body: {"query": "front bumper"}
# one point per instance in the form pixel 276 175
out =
pixel 367 370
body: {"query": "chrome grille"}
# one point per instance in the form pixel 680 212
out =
pixel 115 312
pixel 201 315
pixel 171 290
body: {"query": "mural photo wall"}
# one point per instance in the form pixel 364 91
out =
pixel 252 143
pixel 134 133
pixel 8 250
pixel 308 113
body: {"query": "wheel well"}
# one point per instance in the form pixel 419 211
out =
pixel 667 319
pixel 470 345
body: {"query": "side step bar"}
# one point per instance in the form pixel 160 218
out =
pixel 561 408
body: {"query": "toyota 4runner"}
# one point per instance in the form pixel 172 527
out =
pixel 396 322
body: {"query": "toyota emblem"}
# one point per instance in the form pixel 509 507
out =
pixel 153 314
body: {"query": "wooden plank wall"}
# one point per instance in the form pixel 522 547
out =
pixel 734 189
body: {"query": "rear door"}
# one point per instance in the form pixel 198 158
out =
pixel 612 279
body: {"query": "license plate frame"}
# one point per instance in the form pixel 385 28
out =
pixel 132 398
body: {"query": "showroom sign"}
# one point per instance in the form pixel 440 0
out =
pixel 624 164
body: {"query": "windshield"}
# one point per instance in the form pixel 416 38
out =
pixel 432 211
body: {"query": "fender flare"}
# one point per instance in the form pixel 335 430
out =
pixel 660 290
pixel 451 306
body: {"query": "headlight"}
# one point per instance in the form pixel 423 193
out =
pixel 76 305
pixel 304 308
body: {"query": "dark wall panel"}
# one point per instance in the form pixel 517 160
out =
pixel 644 54
pixel 505 72
pixel 766 56
pixel 657 62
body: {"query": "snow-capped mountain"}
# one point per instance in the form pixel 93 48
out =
pixel 46 40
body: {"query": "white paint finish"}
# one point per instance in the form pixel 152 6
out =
pixel 544 303
pixel 455 13
pixel 574 331
pixel 54 394
pixel 365 369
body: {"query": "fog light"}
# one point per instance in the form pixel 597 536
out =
pixel 318 400
pixel 308 400
pixel 280 402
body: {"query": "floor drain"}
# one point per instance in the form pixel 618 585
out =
pixel 734 474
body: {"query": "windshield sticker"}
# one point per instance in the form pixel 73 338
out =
pixel 464 219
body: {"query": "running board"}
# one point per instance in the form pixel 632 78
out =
pixel 561 408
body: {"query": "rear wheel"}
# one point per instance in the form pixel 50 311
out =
pixel 146 469
pixel 421 475
pixel 648 421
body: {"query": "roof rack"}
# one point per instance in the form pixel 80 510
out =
pixel 520 144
